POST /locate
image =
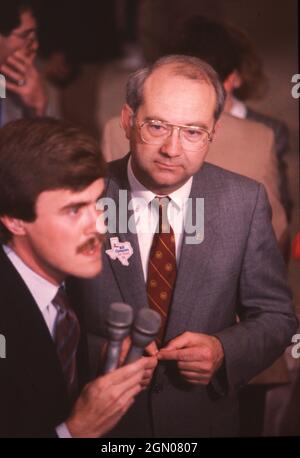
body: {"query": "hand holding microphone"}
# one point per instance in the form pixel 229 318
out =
pixel 144 331
pixel 119 320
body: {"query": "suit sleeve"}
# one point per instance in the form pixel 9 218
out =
pixel 267 321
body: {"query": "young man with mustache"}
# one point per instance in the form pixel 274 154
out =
pixel 51 176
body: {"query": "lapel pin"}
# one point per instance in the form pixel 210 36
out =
pixel 119 250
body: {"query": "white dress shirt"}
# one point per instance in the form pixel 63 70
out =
pixel 146 218
pixel 238 109
pixel 43 293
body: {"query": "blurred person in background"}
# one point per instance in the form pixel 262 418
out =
pixel 232 54
pixel 27 93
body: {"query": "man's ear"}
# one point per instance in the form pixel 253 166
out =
pixel 216 128
pixel 127 119
pixel 233 81
pixel 14 225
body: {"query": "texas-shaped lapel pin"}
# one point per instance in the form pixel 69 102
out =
pixel 120 250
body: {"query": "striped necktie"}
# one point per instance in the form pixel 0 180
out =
pixel 162 267
pixel 66 337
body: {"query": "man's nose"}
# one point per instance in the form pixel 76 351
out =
pixel 33 43
pixel 91 219
pixel 172 144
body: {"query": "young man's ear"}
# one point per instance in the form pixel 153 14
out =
pixel 233 81
pixel 14 225
pixel 127 119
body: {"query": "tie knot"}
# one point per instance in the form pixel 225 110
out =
pixel 60 300
pixel 163 201
pixel 163 221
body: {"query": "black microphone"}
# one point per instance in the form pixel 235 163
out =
pixel 145 329
pixel 119 320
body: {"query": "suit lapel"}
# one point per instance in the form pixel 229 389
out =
pixel 130 278
pixel 32 345
pixel 194 256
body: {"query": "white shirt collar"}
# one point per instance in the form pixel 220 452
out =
pixel 42 290
pixel 142 196
pixel 239 109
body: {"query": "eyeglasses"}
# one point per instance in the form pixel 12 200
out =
pixel 193 138
pixel 27 35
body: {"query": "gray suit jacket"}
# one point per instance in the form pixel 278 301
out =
pixel 236 270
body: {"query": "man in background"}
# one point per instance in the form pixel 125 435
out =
pixel 27 94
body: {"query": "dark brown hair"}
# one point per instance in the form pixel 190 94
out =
pixel 226 48
pixel 43 154
pixel 10 14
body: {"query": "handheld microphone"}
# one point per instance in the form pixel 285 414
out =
pixel 119 320
pixel 145 329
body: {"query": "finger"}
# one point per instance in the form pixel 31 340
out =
pixel 128 372
pixel 116 401
pixel 17 64
pixel 196 353
pixel 13 74
pixel 21 55
pixel 181 341
pixel 201 367
pixel 147 375
pixel 194 377
pixel 151 362
pixel 124 350
pixel 13 87
pixel 184 354
pixel 152 349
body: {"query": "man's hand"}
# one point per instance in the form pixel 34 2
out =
pixel 104 401
pixel 198 356
pixel 20 68
pixel 150 350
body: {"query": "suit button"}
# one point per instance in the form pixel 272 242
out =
pixel 157 388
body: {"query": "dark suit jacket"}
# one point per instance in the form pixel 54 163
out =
pixel 237 269
pixel 33 397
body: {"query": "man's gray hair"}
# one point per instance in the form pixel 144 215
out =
pixel 189 67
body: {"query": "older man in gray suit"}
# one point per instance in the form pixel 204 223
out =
pixel 200 277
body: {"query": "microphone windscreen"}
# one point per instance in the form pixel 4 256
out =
pixel 119 315
pixel 147 321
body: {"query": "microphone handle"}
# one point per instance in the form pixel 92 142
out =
pixel 134 354
pixel 112 357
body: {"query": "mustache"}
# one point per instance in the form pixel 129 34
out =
pixel 92 242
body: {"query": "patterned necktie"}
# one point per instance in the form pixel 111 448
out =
pixel 66 337
pixel 162 267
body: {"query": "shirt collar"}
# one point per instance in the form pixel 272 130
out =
pixel 238 109
pixel 42 290
pixel 142 196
